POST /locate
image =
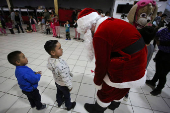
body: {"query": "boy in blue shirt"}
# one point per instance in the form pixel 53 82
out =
pixel 67 26
pixel 27 79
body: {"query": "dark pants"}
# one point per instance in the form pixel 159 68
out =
pixel 34 98
pixel 154 43
pixel 47 31
pixel 19 25
pixel 12 31
pixel 162 68
pixel 67 35
pixel 63 91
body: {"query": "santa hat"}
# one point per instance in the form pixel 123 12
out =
pixel 86 18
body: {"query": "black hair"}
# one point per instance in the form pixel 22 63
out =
pixel 68 21
pixel 168 25
pixel 148 33
pixel 163 15
pixel 107 13
pixel 13 57
pixel 50 46
pixel 16 11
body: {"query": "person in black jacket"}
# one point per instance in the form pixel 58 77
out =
pixel 76 33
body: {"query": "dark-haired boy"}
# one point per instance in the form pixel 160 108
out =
pixel 67 26
pixel 27 79
pixel 61 73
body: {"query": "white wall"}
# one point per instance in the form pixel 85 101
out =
pixel 161 6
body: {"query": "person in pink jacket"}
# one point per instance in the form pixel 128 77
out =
pixel 53 28
pixel 33 22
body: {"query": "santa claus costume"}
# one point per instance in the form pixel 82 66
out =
pixel 121 57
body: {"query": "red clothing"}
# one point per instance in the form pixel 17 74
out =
pixel 9 25
pixel 113 35
pixel 56 22
pixel 52 25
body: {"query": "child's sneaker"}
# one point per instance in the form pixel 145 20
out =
pixel 66 39
pixel 73 104
pixel 125 99
pixel 43 107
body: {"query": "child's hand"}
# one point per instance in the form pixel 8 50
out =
pixel 71 89
pixel 39 72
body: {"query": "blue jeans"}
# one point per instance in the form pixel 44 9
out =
pixel 63 93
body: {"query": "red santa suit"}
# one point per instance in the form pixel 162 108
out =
pixel 114 76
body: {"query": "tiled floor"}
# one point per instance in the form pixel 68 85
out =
pixel 31 44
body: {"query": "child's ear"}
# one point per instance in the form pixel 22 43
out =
pixel 17 62
pixel 52 53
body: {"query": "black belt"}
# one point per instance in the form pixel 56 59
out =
pixel 133 48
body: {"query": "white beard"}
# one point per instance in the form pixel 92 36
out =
pixel 89 45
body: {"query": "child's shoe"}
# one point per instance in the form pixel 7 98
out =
pixel 43 107
pixel 73 104
pixel 74 38
pixel 66 39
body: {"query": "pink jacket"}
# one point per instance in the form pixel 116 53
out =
pixel 52 25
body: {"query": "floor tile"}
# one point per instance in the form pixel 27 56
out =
pixel 44 81
pixel 139 100
pixel 2 69
pixel 49 98
pixel 37 62
pixel 77 77
pixel 166 92
pixel 157 103
pixel 76 87
pixel 78 69
pixel 47 110
pixel 2 79
pixel 58 110
pixel 7 85
pixel 1 94
pixel 75 57
pixel 88 79
pixel 141 110
pixel 167 101
pixel 8 73
pixel 81 63
pixel 71 61
pixel 84 90
pixel 123 109
pixel 6 102
pixel 15 90
pixel 80 101
pixel 20 106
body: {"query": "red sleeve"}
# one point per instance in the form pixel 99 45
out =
pixel 102 51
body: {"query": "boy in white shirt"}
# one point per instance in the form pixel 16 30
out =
pixel 61 73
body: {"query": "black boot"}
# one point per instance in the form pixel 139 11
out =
pixel 114 105
pixel 156 92
pixel 150 84
pixel 94 108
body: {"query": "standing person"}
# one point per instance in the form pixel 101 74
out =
pixel 9 25
pixel 33 22
pixel 157 19
pixel 162 60
pixel 27 79
pixel 67 26
pixel 18 21
pixel 47 26
pixel 118 66
pixel 61 73
pixel 46 15
pixel 76 33
pixel 74 15
pixel 12 15
pixel 2 26
pixel 39 25
pixel 43 24
pixel 160 24
pixel 53 28
pixel 57 25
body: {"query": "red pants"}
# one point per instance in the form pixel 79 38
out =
pixel 3 31
pixel 33 27
pixel 57 28
pixel 76 33
pixel 54 32
pixel 108 94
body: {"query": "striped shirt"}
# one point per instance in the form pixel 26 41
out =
pixel 164 35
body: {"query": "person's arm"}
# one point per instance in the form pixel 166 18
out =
pixel 35 21
pixel 31 77
pixel 102 51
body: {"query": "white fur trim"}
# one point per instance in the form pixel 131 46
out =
pixel 131 84
pixel 100 21
pixel 87 19
pixel 102 104
pixel 98 87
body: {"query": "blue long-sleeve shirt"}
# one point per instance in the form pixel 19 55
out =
pixel 27 79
